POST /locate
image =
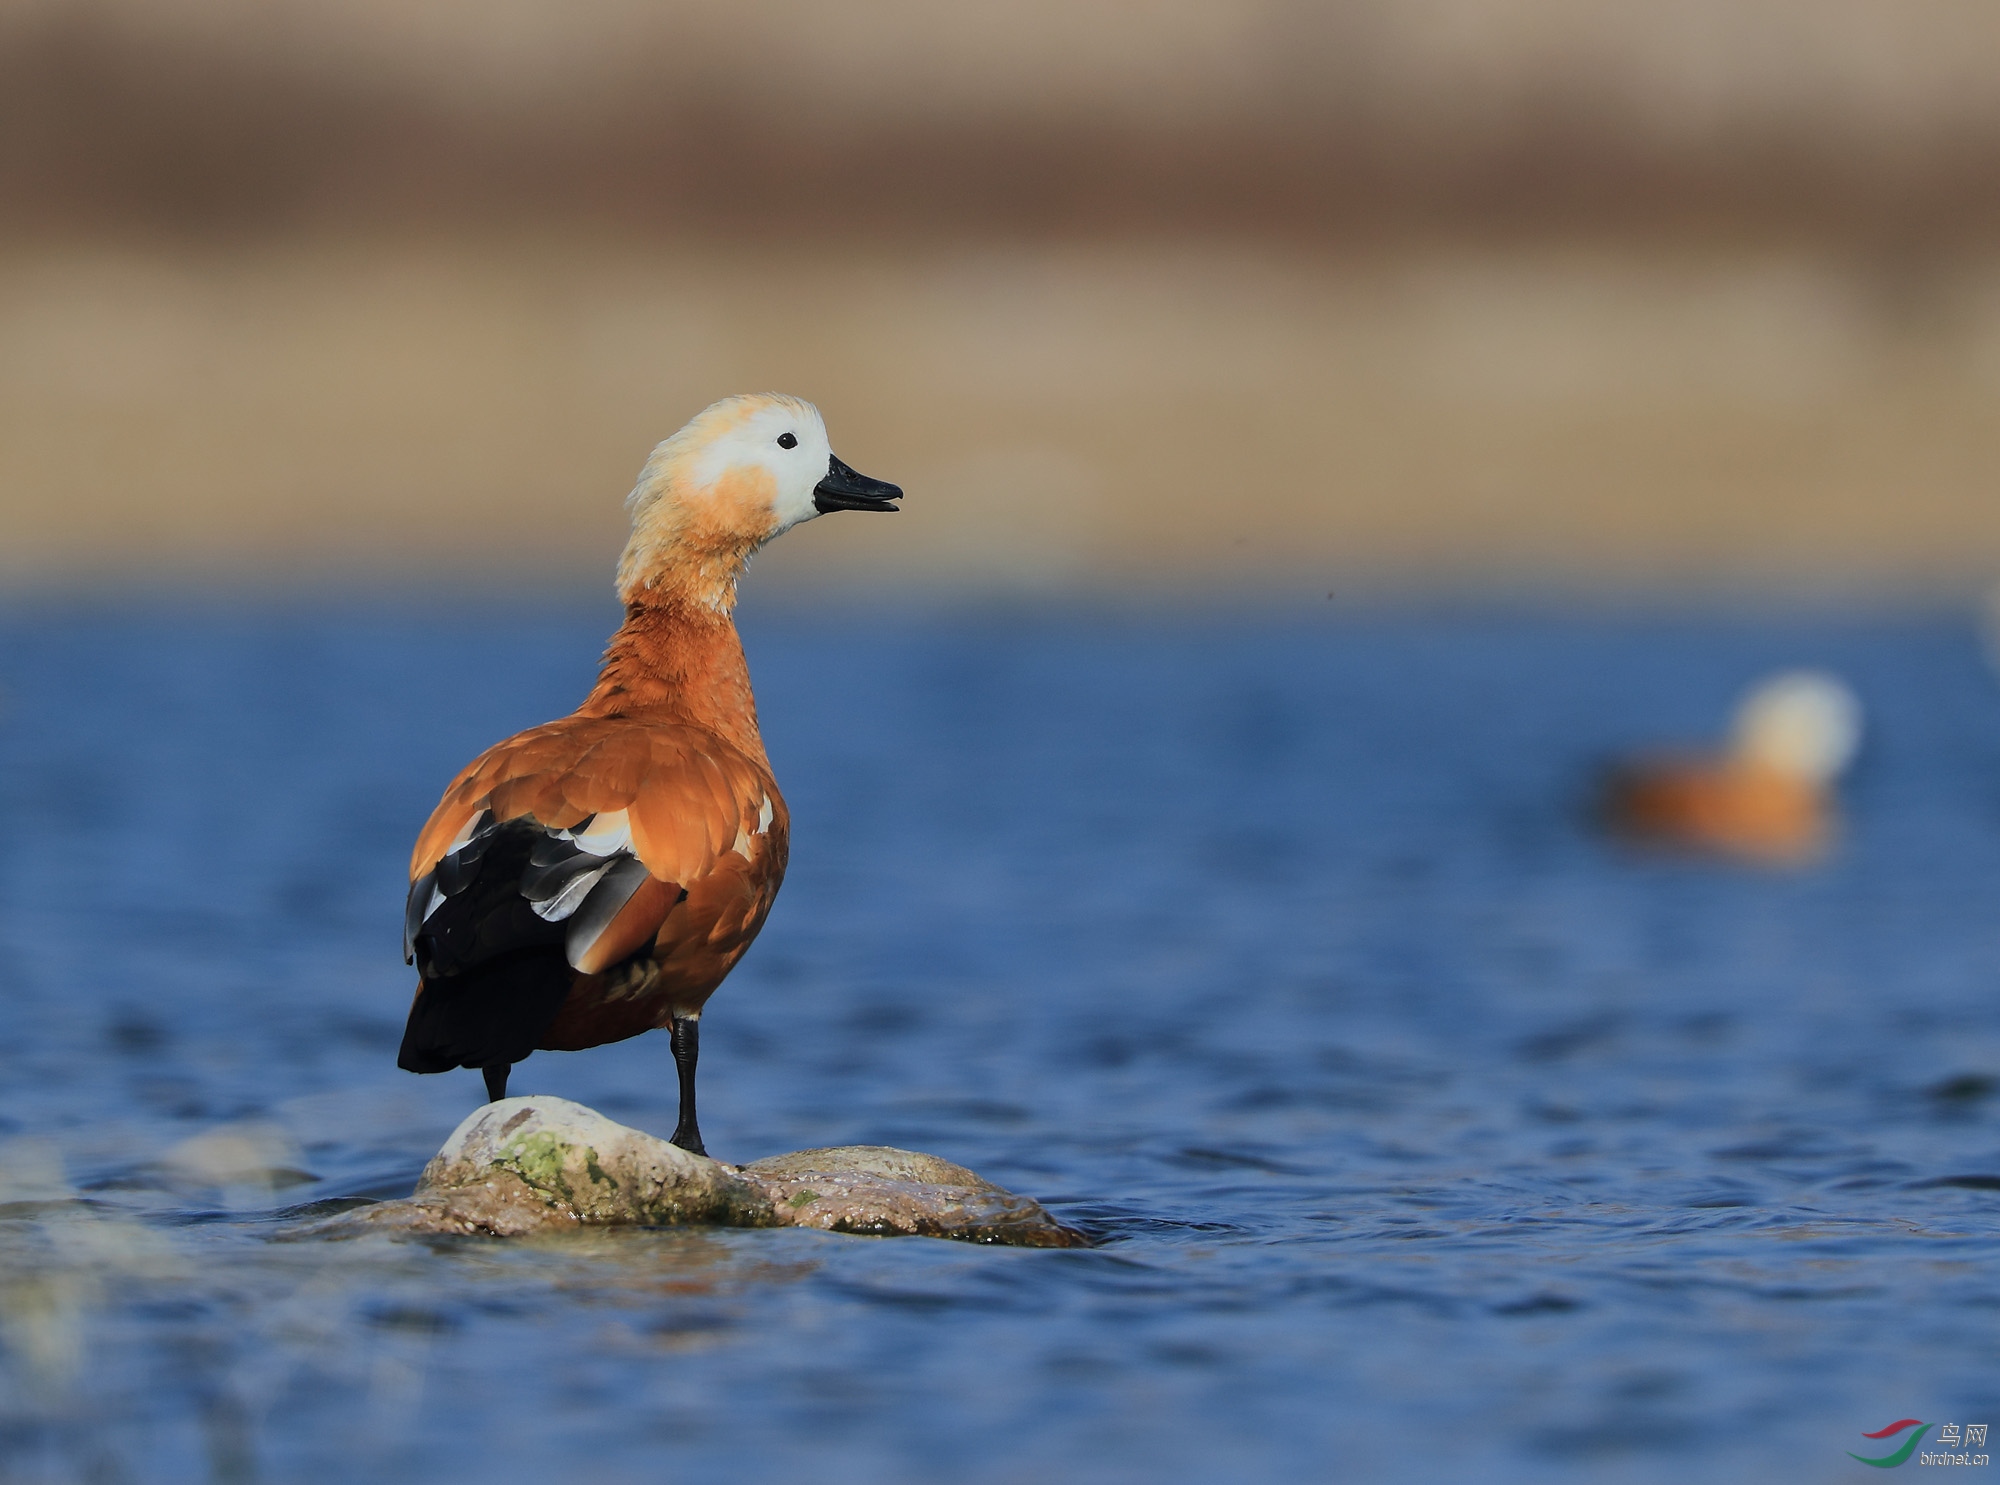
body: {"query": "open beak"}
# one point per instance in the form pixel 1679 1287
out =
pixel 843 489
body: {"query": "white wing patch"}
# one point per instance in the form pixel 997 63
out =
pixel 603 835
pixel 571 897
pixel 744 843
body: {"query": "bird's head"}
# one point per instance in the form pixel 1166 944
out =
pixel 741 472
pixel 1801 723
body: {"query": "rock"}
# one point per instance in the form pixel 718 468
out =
pixel 582 1165
pixel 527 1165
pixel 887 1192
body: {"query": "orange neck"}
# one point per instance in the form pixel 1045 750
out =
pixel 675 661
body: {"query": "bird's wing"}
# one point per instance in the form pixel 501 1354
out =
pixel 584 833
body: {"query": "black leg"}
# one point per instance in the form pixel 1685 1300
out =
pixel 496 1080
pixel 687 1047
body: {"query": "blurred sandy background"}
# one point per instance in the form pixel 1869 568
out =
pixel 1183 296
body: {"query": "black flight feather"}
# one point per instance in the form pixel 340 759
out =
pixel 495 972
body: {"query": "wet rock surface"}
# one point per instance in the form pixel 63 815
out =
pixel 529 1165
pixel 885 1191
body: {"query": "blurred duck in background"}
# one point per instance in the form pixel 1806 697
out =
pixel 1769 798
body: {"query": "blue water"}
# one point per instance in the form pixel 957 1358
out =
pixel 1427 1136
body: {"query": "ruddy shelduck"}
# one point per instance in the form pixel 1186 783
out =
pixel 597 877
pixel 1769 798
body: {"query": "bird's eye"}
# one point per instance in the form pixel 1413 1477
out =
pixel 787 441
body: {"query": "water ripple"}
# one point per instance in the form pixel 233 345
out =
pixel 1424 1136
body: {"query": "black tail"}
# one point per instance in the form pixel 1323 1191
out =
pixel 495 1012
pixel 493 970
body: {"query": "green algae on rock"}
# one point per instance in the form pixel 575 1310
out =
pixel 581 1164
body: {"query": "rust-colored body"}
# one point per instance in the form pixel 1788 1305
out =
pixel 668 735
pixel 1726 806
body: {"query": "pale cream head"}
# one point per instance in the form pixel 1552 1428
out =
pixel 1802 723
pixel 741 472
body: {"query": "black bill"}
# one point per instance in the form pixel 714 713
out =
pixel 843 489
